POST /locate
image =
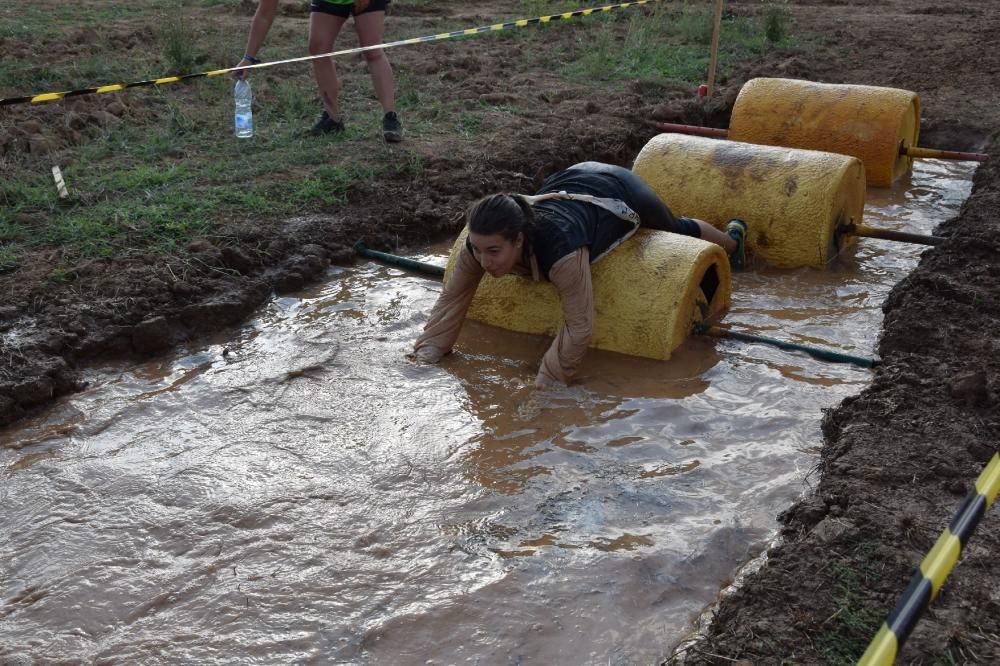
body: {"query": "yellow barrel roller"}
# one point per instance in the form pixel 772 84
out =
pixel 792 200
pixel 648 293
pixel 876 125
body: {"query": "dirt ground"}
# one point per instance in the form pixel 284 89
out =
pixel 897 459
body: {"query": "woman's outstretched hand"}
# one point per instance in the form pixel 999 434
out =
pixel 426 354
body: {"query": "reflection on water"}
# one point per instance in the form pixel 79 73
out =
pixel 297 492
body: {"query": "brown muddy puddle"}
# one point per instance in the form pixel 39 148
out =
pixel 295 492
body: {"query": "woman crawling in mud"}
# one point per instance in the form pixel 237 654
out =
pixel 578 216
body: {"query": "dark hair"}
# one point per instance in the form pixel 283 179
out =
pixel 504 214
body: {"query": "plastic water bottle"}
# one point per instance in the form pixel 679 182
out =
pixel 244 112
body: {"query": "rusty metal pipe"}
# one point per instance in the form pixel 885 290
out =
pixel 713 132
pixel 935 154
pixel 886 234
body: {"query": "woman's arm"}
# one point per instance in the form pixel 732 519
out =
pixel 259 27
pixel 446 319
pixel 571 277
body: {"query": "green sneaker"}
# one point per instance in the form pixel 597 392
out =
pixel 737 230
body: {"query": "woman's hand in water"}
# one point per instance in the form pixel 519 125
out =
pixel 426 354
pixel 544 379
pixel 542 383
pixel 528 401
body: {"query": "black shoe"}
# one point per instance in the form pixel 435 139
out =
pixel 327 125
pixel 392 129
pixel 737 230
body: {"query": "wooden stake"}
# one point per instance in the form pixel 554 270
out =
pixel 715 47
pixel 60 184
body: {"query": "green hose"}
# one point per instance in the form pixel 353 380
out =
pixel 395 260
pixel 817 352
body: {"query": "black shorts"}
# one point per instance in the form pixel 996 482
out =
pixel 343 11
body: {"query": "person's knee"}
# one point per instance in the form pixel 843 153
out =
pixel 318 46
pixel 375 56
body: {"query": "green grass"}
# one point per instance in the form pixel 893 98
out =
pixel 153 189
pixel 171 170
pixel 34 19
pixel 8 254
pixel 178 44
pixel 847 634
pixel 160 210
pixel 85 71
pixel 534 8
pixel 775 23
pixel 673 43
pixel 470 124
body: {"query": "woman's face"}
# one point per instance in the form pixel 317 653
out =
pixel 496 254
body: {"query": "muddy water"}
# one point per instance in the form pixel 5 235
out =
pixel 295 492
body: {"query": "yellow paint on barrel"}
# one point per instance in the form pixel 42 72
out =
pixel 868 122
pixel 648 292
pixel 792 200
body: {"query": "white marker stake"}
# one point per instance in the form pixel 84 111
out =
pixel 60 184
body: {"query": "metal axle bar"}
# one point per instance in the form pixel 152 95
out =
pixel 886 234
pixel 697 130
pixel 935 154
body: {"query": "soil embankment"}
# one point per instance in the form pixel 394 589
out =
pixel 899 458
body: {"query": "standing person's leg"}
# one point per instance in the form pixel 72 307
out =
pixel 323 31
pixel 370 26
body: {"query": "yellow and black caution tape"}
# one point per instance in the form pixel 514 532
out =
pixel 496 27
pixel 934 569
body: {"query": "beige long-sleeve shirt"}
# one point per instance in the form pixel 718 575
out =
pixel 571 278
